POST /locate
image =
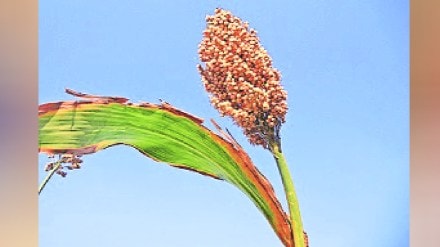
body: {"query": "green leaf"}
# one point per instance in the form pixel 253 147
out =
pixel 162 133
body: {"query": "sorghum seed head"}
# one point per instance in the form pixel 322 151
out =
pixel 240 78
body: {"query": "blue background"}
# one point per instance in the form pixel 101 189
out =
pixel 345 65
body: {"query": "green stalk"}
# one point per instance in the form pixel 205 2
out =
pixel 49 175
pixel 292 200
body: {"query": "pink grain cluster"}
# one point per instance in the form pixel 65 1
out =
pixel 239 76
pixel 73 161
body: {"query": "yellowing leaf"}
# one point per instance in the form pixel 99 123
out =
pixel 162 133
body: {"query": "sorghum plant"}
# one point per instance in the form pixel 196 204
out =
pixel 242 83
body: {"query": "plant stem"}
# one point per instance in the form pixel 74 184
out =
pixel 47 178
pixel 292 200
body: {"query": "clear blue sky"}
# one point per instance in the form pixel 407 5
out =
pixel 345 65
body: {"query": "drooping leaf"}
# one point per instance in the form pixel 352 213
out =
pixel 162 133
